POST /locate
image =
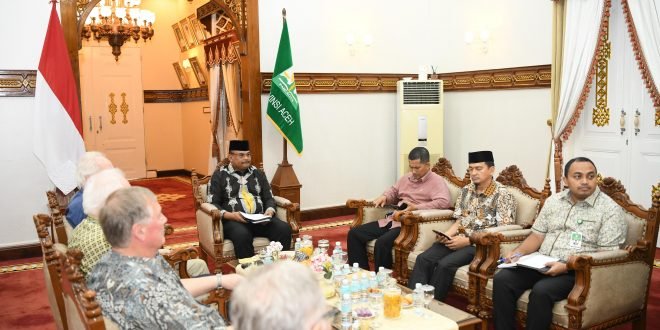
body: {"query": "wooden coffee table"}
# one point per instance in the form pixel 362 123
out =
pixel 465 321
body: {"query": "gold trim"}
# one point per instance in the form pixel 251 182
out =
pixel 601 112
pixel 510 78
pixel 124 107
pixel 17 82
pixel 176 96
pixel 112 108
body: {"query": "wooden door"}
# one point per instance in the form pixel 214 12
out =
pixel 112 100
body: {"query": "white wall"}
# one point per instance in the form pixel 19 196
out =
pixel 349 138
pixel 23 178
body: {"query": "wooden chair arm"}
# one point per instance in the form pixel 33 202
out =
pixel 358 204
pixel 181 257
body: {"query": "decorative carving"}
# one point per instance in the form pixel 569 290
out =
pixel 17 82
pixel 443 168
pixel 176 96
pixel 601 113
pixel 124 108
pixel 512 78
pixel 112 108
pixel 74 286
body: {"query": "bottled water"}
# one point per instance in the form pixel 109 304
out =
pixel 373 281
pixel 364 288
pixel 356 267
pixel 418 298
pixel 381 277
pixel 337 254
pixel 345 287
pixel 298 244
pixel 346 308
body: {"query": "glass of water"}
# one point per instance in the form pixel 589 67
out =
pixel 376 303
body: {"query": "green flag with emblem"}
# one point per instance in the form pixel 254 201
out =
pixel 283 108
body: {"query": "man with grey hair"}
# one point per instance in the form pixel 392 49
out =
pixel 88 236
pixel 281 296
pixel 135 286
pixel 89 164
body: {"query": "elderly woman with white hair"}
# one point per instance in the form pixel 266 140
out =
pixel 89 164
pixel 281 296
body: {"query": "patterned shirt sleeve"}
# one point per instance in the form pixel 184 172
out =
pixel 217 190
pixel 506 208
pixel 458 210
pixel 613 230
pixel 266 192
pixel 541 223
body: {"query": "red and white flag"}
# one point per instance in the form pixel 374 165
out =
pixel 58 141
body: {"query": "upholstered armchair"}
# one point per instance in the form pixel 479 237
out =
pixel 412 237
pixel 209 225
pixel 611 287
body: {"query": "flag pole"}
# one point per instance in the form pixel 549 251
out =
pixel 285 160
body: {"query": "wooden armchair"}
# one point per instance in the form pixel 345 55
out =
pixel 57 203
pixel 411 237
pixel 82 310
pixel 209 225
pixel 611 287
pixel 43 223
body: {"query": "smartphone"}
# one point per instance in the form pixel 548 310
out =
pixel 439 233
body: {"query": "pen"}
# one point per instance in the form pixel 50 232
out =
pixel 515 255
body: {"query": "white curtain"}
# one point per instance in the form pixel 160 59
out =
pixel 581 37
pixel 646 16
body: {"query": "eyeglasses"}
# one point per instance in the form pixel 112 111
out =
pixel 242 154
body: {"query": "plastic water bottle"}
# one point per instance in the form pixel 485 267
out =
pixel 346 309
pixel 418 298
pixel 345 287
pixel 373 281
pixel 337 254
pixel 364 288
pixel 346 269
pixel 381 277
pixel 355 289
pixel 298 244
pixel 356 267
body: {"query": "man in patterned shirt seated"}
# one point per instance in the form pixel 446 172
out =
pixel 482 204
pixel 578 220
pixel 135 286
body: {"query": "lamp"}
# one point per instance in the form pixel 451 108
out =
pixel 119 20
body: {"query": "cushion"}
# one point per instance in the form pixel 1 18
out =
pixel 636 228
pixel 454 190
pixel 526 208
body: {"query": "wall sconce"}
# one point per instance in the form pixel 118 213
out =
pixel 484 38
pixel 185 64
pixel 351 41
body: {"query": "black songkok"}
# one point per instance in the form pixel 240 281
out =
pixel 480 157
pixel 239 145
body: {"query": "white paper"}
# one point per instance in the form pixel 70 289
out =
pixel 535 260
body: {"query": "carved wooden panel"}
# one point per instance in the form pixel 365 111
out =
pixel 18 82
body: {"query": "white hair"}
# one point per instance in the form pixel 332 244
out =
pixel 281 296
pixel 89 164
pixel 99 186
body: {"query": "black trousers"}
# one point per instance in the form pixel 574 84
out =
pixel 438 265
pixel 357 244
pixel 510 284
pixel 242 234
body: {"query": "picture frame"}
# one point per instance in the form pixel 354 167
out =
pixel 181 74
pixel 206 109
pixel 188 33
pixel 200 74
pixel 180 39
pixel 197 28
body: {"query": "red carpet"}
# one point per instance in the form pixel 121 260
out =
pixel 24 294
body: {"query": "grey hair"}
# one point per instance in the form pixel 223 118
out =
pixel 281 296
pixel 98 187
pixel 89 164
pixel 124 208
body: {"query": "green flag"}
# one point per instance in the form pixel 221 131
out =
pixel 283 109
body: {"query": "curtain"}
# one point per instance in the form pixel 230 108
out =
pixel 558 27
pixel 217 123
pixel 581 34
pixel 646 19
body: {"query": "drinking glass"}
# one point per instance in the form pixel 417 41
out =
pixel 392 303
pixel 428 294
pixel 376 303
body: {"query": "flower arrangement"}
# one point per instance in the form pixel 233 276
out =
pixel 273 249
pixel 322 263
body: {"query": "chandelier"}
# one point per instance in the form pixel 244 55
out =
pixel 119 20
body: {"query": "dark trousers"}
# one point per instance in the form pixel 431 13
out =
pixel 438 265
pixel 357 244
pixel 242 234
pixel 510 284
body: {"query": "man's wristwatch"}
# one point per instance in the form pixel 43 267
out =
pixel 218 279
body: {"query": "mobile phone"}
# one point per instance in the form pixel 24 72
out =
pixel 439 233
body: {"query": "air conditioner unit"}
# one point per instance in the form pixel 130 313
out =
pixel 419 119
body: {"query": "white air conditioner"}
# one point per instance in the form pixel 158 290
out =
pixel 419 119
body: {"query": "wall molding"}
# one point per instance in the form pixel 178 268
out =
pixel 176 96
pixel 17 83
pixel 325 212
pixel 537 76
pixel 20 252
pixel 23 83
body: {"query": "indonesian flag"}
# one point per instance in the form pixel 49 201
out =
pixel 58 141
